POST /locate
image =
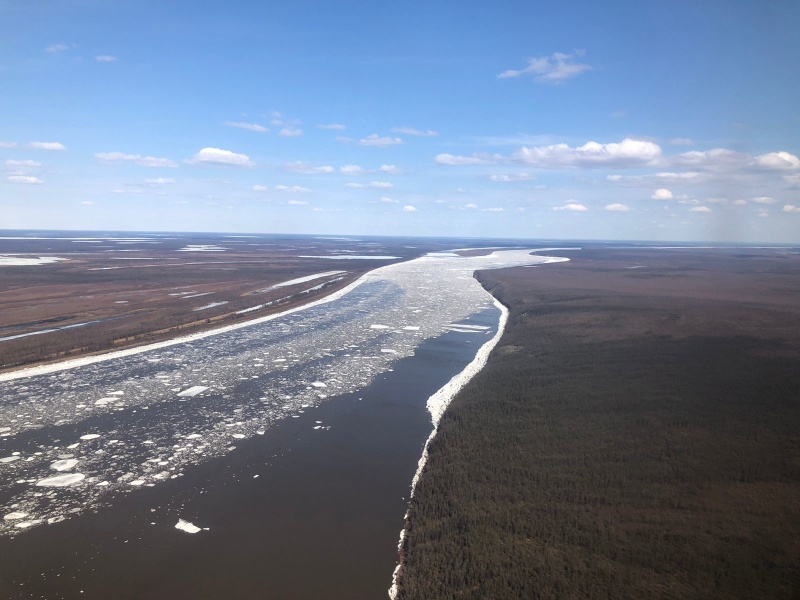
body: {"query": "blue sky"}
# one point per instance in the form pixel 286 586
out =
pixel 658 120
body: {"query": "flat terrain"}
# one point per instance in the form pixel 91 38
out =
pixel 635 434
pixel 113 290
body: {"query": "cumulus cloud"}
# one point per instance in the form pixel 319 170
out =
pixel 572 206
pixel 303 167
pixel 378 141
pixel 556 68
pixel 159 181
pixel 351 170
pixel 511 178
pixel 106 58
pixel 8 144
pixel 790 208
pixel 415 132
pixel 471 206
pixel 142 161
pixel 662 194
pixel 455 160
pixel 23 163
pixel 764 200
pixel 739 202
pixel 260 188
pixel 47 146
pixel 627 153
pixel 332 126
pixel 717 158
pixel 290 131
pixel 700 209
pixel 494 209
pixel 297 202
pixel 56 48
pixel 617 208
pixel 409 208
pixel 380 184
pixel 217 156
pixel 25 179
pixel 778 161
pixel 248 126
pixel 352 184
pixel 388 200
pixel 389 169
pixel 293 188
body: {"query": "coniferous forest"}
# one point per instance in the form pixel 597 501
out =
pixel 635 434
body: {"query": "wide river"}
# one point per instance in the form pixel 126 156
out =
pixel 76 435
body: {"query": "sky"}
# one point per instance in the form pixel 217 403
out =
pixel 672 120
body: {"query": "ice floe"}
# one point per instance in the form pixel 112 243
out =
pixel 62 480
pixel 187 526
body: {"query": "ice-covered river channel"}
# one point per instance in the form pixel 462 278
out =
pixel 74 434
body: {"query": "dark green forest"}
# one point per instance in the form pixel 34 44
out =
pixel 614 447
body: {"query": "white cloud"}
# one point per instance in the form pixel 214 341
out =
pixel 378 141
pixel 764 200
pixel 23 163
pixel 352 184
pixel 332 126
pixel 572 206
pixel 351 170
pixel 617 208
pixel 142 161
pixel 700 209
pixel 717 158
pixel 494 209
pixel 739 202
pixel 627 153
pixel 25 179
pixel 159 181
pixel 87 202
pixel 290 131
pixel 302 167
pixel 106 58
pixel 416 132
pixel 778 161
pixel 389 169
pixel 297 202
pixel 380 184
pixel 662 194
pixel 556 68
pixel 511 178
pixel 409 208
pixel 455 161
pixel 293 189
pixel 471 206
pixel 8 144
pixel 790 208
pixel 387 200
pixel 56 48
pixel 217 156
pixel 260 188
pixel 47 146
pixel 763 214
pixel 248 126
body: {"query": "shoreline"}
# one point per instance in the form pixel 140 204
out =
pixel 436 405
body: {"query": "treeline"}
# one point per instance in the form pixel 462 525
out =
pixel 587 461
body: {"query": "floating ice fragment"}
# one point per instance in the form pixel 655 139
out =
pixel 61 480
pixel 193 436
pixel 187 526
pixel 388 351
pixel 379 326
pixel 193 391
pixel 318 384
pixel 9 459
pixel 64 465
pixel 239 436
pixel 13 516
pixel 90 436
pixel 411 328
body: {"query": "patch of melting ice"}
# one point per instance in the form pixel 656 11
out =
pixel 141 416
